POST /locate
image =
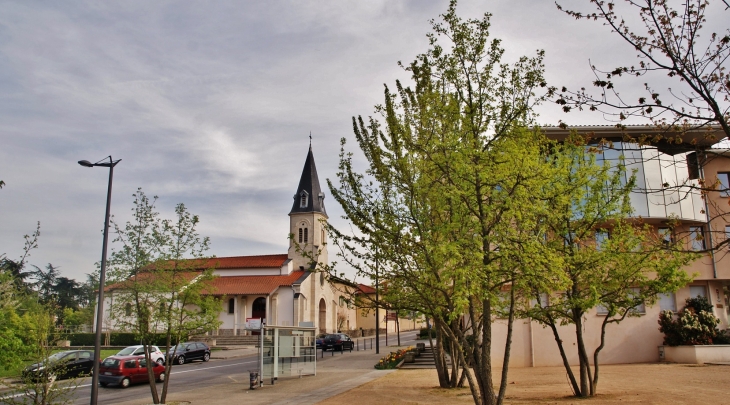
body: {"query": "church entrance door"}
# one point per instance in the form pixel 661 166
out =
pixel 322 316
pixel 258 310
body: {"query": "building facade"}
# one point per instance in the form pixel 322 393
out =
pixel 670 175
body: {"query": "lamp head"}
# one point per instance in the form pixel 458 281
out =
pixel 86 163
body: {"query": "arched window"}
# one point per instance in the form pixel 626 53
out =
pixel 322 241
pixel 128 309
pixel 162 307
pixel 306 238
pixel 231 305
pixel 300 235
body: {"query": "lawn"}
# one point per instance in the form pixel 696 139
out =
pixel 4 373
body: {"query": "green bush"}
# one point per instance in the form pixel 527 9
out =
pixel 695 325
pixel 115 339
pixel 423 334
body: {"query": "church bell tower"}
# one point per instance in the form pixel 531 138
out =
pixel 307 219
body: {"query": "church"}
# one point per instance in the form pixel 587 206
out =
pixel 281 289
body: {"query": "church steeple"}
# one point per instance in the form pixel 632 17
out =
pixel 309 196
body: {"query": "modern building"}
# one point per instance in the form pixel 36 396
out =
pixel 670 174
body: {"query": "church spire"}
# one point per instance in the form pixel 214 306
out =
pixel 309 196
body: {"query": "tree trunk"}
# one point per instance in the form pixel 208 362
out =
pixel 438 355
pixel 488 397
pixel 566 364
pixel 397 326
pixel 585 367
pixel 151 373
pixel 507 347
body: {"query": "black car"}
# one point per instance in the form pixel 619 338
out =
pixel 320 340
pixel 338 341
pixel 68 364
pixel 189 351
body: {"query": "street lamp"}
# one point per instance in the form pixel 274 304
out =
pixel 100 305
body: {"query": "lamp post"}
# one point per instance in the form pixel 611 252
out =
pixel 102 276
pixel 377 306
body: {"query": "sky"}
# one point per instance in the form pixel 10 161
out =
pixel 212 103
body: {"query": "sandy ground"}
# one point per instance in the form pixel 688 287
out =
pixel 626 384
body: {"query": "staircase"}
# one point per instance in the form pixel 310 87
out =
pixel 425 361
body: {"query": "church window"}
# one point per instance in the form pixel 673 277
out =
pixel 306 237
pixel 128 309
pixel 300 235
pixel 322 236
pixel 303 200
pixel 231 305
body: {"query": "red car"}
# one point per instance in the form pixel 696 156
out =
pixel 127 370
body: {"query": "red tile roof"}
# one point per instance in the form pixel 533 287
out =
pixel 249 285
pixel 366 289
pixel 181 279
pixel 245 262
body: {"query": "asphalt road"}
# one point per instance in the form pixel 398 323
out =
pixel 198 375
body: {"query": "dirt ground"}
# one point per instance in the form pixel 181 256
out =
pixel 674 384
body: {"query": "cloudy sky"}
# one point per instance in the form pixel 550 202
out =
pixel 212 103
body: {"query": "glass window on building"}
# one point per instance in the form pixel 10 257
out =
pixel 727 234
pixel 667 302
pixel 697 291
pixel 641 308
pixel 696 238
pixel 724 186
pixel 665 234
pixel 601 238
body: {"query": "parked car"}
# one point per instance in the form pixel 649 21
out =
pixel 320 340
pixel 127 370
pixel 339 341
pixel 138 350
pixel 68 364
pixel 189 351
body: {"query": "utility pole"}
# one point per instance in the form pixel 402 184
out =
pixel 377 306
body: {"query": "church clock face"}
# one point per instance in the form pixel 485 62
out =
pixel 321 279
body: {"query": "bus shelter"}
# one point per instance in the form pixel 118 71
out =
pixel 287 351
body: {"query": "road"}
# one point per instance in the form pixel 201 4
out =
pixel 199 375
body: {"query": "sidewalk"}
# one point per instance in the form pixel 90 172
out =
pixel 339 373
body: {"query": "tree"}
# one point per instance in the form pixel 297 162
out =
pixel 448 173
pixel 156 274
pixel 612 262
pixel 45 282
pixel 670 42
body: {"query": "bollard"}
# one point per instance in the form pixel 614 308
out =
pixel 254 379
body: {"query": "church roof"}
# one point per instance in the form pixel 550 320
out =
pixel 366 289
pixel 244 262
pixel 309 184
pixel 250 285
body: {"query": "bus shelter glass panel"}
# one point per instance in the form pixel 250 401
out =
pixel 288 352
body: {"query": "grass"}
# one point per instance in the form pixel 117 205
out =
pixel 14 372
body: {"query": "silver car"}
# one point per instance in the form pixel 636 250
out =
pixel 138 350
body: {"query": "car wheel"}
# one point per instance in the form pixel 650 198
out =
pixel 206 357
pixel 125 382
pixel 181 360
pixel 103 384
pixel 161 378
pixel 161 361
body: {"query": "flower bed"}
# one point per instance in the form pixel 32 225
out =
pixel 392 360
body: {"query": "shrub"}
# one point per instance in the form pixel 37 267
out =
pixel 695 325
pixel 423 333
pixel 392 360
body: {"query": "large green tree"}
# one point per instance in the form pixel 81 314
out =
pixel 449 172
pixel 612 261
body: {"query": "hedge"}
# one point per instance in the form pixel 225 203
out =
pixel 115 339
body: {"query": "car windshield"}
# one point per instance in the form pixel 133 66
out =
pixel 111 363
pixel 127 351
pixel 56 357
pixel 332 337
